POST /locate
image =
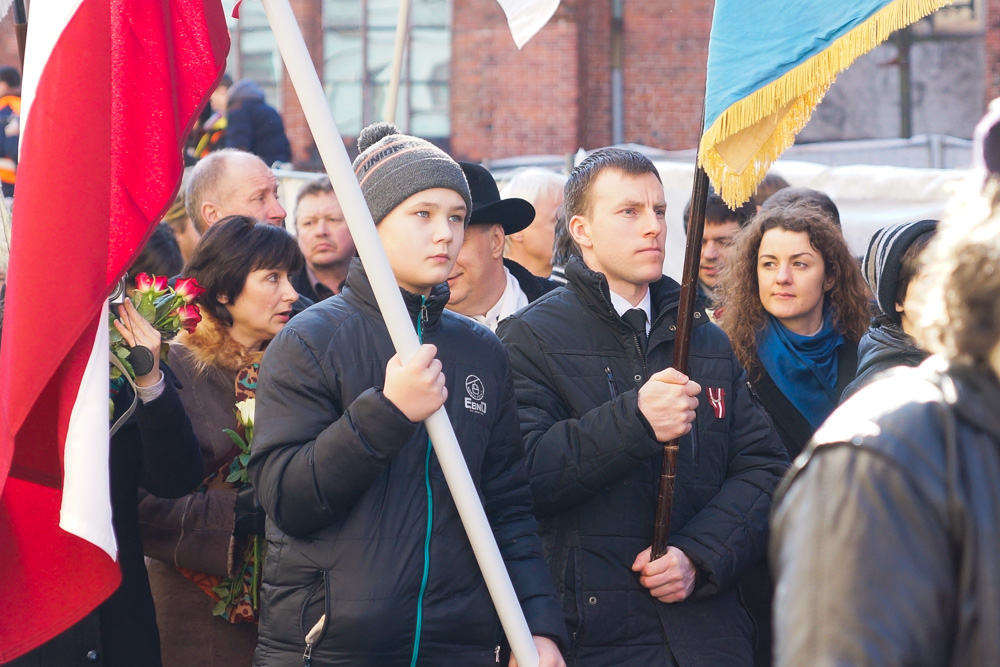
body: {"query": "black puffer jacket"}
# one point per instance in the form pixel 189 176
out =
pixel 886 537
pixel 594 466
pixel 883 346
pixel 341 473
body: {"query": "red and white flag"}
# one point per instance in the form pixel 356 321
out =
pixel 110 90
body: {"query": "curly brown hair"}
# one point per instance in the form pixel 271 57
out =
pixel 744 315
pixel 959 309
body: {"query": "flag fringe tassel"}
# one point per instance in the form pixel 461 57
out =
pixel 792 99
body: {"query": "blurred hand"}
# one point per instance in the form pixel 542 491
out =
pixel 416 388
pixel 668 403
pixel 548 654
pixel 137 331
pixel 669 578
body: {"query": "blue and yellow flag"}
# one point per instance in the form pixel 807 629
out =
pixel 769 65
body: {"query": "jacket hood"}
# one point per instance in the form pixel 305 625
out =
pixel 245 89
pixel 359 287
pixel 885 344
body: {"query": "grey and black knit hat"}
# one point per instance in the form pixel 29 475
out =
pixel 392 167
pixel 884 259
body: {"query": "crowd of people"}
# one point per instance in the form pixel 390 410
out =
pixel 547 333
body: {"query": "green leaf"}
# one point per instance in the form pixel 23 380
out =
pixel 146 309
pixel 237 440
pixel 219 609
pixel 244 459
pixel 122 353
pixel 222 591
pixel 234 476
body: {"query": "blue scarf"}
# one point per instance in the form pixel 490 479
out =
pixel 804 368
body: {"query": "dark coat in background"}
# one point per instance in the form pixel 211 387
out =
pixel 155 450
pixel 346 480
pixel 884 346
pixel 254 126
pixel 886 534
pixel 594 466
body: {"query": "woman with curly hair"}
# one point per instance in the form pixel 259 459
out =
pixel 795 309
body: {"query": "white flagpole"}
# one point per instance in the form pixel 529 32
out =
pixel 307 86
pixel 402 31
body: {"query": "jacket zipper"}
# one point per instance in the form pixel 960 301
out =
pixel 496 654
pixel 612 386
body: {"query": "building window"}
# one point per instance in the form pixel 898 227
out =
pixel 254 53
pixel 358 45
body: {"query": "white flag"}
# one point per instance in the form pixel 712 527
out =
pixel 527 17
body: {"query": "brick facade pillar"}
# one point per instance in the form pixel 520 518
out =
pixel 310 17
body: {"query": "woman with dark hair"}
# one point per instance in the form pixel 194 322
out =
pixel 795 311
pixel 199 541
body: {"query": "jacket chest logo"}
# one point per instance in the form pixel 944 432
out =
pixel 474 401
pixel 717 399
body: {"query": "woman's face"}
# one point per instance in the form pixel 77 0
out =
pixel 263 307
pixel 792 280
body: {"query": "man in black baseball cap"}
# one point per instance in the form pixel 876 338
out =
pixel 485 286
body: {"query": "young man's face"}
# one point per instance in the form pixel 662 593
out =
pixel 715 245
pixel 324 237
pixel 422 237
pixel 623 234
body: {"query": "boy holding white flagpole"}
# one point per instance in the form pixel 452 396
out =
pixel 362 527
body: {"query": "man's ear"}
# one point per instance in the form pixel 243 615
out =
pixel 209 213
pixel 579 228
pixel 497 241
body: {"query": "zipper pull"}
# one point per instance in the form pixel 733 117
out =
pixel 496 654
pixel 612 386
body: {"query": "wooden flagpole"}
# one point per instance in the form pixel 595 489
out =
pixel 307 86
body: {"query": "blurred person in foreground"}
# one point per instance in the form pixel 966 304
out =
pixel 886 533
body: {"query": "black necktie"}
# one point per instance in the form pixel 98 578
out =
pixel 636 318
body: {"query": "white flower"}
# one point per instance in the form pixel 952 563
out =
pixel 245 410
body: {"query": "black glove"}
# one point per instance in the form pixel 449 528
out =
pixel 249 514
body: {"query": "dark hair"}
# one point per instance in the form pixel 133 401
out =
pixel 161 256
pixel 10 76
pixel 740 293
pixel 577 190
pixel 311 189
pixel 911 263
pixel 232 249
pixel 771 184
pixel 806 196
pixel 717 211
pixel 564 245
pixel 226 81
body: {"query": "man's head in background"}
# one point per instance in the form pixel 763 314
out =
pixel 232 182
pixel 721 225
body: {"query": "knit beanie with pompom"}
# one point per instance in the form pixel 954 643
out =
pixel 393 167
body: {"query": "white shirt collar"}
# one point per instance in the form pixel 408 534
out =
pixel 621 305
pixel 512 300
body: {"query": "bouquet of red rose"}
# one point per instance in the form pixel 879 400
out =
pixel 168 309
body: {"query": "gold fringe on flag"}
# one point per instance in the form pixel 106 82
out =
pixel 739 147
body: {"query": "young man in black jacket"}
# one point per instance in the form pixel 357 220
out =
pixel 362 530
pixel 597 400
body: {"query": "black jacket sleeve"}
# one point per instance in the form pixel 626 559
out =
pixel 507 501
pixel 570 457
pixel 171 460
pixel 854 522
pixel 311 459
pixel 729 535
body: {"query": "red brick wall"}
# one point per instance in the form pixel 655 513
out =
pixel 506 102
pixel 310 18
pixel 992 49
pixel 666 44
pixel 8 43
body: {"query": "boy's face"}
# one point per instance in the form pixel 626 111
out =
pixel 422 237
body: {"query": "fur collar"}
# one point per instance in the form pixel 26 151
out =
pixel 211 346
